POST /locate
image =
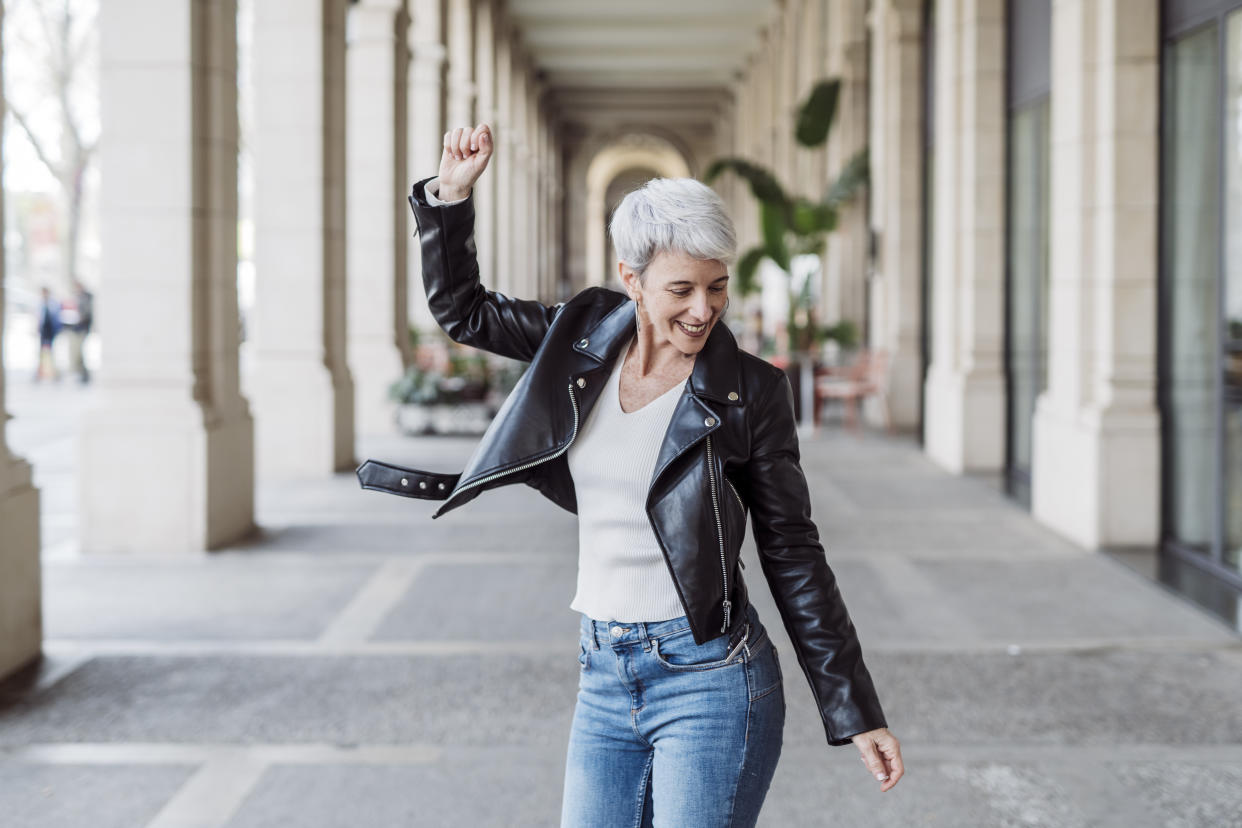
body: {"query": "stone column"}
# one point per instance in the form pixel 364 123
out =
pixel 759 92
pixel 301 385
pixel 376 187
pixel 167 451
pixel 965 386
pixel 897 199
pixel 965 409
pixel 505 279
pixel 21 616
pixel 547 279
pixel 426 131
pixel 485 187
pixel 1096 461
pixel 532 203
pixel 845 272
pixel 518 258
pixel 558 241
pixel 746 117
pixel 785 89
pixel 461 86
pixel 812 59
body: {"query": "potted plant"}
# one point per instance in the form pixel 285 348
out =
pixel 458 397
pixel 795 229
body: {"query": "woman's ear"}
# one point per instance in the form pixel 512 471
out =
pixel 630 280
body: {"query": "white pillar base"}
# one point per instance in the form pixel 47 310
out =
pixel 1096 475
pixel 177 485
pixel 21 622
pixel 305 426
pixel 904 381
pixel 964 429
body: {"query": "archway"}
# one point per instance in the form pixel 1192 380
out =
pixel 626 154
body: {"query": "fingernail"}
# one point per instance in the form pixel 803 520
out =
pixel 473 148
pixel 881 777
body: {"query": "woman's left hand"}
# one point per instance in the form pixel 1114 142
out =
pixel 881 753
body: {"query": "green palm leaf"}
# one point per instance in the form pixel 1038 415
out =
pixel 762 183
pixel 813 218
pixel 746 270
pixel 815 116
pixel 853 177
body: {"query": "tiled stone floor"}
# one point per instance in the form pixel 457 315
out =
pixel 358 664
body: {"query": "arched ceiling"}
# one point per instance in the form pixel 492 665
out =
pixel 673 61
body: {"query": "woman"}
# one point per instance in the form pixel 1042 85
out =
pixel 640 414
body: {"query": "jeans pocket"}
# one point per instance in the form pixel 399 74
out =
pixel 763 671
pixel 678 653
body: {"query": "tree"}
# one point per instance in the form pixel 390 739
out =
pixel 794 225
pixel 51 97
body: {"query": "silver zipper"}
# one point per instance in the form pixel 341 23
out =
pixel 724 569
pixel 573 402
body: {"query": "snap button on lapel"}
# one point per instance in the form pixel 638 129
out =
pixel 733 396
pixel 582 343
pixel 581 382
pixel 709 422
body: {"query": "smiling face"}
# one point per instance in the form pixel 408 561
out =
pixel 681 299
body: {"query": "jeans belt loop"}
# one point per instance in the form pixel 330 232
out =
pixel 594 636
pixel 642 636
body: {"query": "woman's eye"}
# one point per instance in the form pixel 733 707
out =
pixel 717 290
pixel 680 292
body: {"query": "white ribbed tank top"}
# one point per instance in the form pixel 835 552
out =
pixel 622 575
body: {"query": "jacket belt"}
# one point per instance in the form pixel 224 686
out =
pixel 386 477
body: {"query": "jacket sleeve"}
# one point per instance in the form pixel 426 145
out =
pixel 798 574
pixel 466 311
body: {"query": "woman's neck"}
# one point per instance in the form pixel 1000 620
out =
pixel 663 359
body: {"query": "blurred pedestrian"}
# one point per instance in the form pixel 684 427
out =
pixel 49 327
pixel 84 305
pixel 640 414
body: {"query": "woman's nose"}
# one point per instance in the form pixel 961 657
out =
pixel 701 308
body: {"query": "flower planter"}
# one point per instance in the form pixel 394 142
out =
pixel 444 418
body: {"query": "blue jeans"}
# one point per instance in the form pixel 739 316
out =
pixel 672 734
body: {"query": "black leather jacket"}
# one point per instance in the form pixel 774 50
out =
pixel 731 448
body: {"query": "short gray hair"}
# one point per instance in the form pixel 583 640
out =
pixel 672 214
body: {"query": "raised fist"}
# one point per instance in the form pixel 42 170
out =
pixel 466 153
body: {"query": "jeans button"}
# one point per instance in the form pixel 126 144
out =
pixel 616 632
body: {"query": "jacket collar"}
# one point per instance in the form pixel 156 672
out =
pixel 717 369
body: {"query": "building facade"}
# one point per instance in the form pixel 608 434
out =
pixel 1049 249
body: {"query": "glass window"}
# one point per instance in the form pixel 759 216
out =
pixel 1233 290
pixel 1233 487
pixel 1233 179
pixel 1028 273
pixel 1190 222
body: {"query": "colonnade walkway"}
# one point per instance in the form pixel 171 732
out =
pixel 359 664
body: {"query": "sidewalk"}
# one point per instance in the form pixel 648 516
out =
pixel 362 665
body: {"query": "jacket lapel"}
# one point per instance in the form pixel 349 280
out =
pixel 595 352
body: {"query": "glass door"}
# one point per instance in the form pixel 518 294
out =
pixel 1026 236
pixel 1231 323
pixel 1201 303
